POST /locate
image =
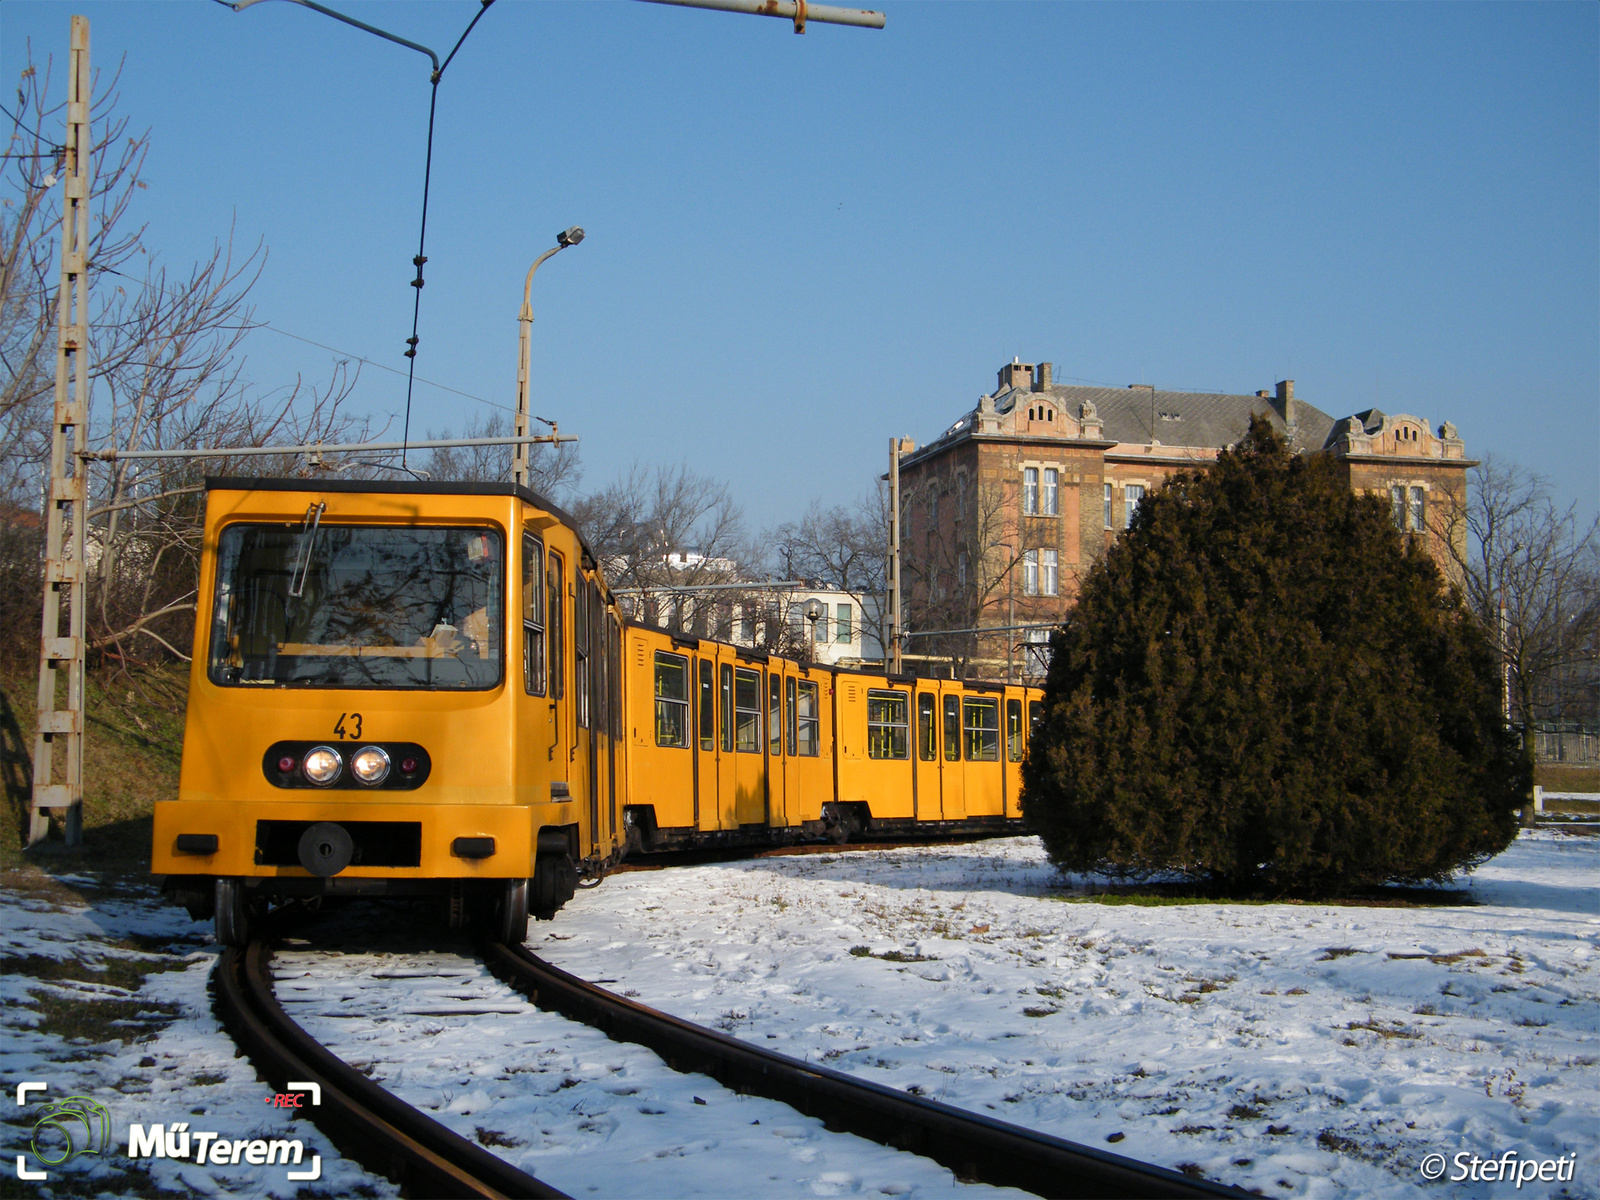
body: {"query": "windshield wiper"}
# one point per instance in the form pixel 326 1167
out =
pixel 308 540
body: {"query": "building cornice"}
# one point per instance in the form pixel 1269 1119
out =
pixel 1396 460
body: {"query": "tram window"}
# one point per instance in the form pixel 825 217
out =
pixel 952 728
pixel 708 706
pixel 556 591
pixel 790 724
pixel 982 722
pixel 927 729
pixel 672 699
pixel 580 646
pixel 774 714
pixel 1035 715
pixel 807 721
pixel 532 616
pixel 727 709
pixel 888 725
pixel 1014 730
pixel 747 711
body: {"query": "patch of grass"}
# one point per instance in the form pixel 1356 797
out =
pixel 1560 777
pixel 209 1078
pixel 1165 895
pixel 1040 1012
pixel 1195 1129
pixel 894 956
pixel 1333 952
pixel 1243 1112
pixel 1329 1140
pixel 1384 1031
pixel 100 1021
pixel 493 1137
pixel 133 741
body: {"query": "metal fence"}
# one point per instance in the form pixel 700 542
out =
pixel 1567 742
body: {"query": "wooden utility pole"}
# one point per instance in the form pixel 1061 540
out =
pixel 58 749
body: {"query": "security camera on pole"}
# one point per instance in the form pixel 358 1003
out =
pixel 519 467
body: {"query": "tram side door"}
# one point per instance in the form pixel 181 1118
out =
pixel 706 804
pixel 952 771
pixel 560 660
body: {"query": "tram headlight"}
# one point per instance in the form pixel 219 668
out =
pixel 322 765
pixel 370 765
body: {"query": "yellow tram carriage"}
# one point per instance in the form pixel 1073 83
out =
pixel 408 689
pixel 397 689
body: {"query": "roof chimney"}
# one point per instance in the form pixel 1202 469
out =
pixel 1015 374
pixel 1042 378
pixel 1286 401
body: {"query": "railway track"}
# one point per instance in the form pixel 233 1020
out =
pixel 368 1124
pixel 383 1132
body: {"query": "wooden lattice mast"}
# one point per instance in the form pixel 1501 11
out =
pixel 58 749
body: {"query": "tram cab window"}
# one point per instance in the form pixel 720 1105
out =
pixel 556 594
pixel 952 728
pixel 708 706
pixel 1014 730
pixel 532 616
pixel 774 714
pixel 358 606
pixel 982 723
pixel 1035 715
pixel 888 725
pixel 747 711
pixel 672 699
pixel 808 723
pixel 927 729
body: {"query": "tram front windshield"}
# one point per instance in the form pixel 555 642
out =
pixel 353 606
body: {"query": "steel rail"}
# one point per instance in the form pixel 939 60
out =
pixel 978 1149
pixel 371 1125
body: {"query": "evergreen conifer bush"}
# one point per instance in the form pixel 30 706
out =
pixel 1265 686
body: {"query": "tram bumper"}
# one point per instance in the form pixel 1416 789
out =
pixel 394 849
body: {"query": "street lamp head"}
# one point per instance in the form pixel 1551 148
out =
pixel 570 237
pixel 813 610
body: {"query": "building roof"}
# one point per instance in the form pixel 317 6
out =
pixel 1134 416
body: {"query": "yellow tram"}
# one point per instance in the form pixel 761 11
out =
pixel 409 689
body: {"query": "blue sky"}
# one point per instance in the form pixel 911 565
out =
pixel 801 246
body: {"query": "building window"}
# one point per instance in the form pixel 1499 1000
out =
pixel 1048 580
pixel 1037 650
pixel 821 631
pixel 672 700
pixel 1418 509
pixel 1030 572
pixel 808 721
pixel 1132 496
pixel 1050 499
pixel 933 507
pixel 961 569
pixel 927 729
pixel 1108 506
pixel 747 711
pixel 888 725
pixel 1030 491
pixel 982 729
pixel 1397 506
pixel 842 621
pixel 961 497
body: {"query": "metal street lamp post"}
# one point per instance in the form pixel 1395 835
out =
pixel 519 467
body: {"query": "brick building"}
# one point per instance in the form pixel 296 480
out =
pixel 1005 511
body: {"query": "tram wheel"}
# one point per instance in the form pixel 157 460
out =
pixel 509 922
pixel 233 913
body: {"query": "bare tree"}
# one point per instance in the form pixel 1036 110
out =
pixel 1528 570
pixel 671 531
pixel 553 471
pixel 844 549
pixel 165 373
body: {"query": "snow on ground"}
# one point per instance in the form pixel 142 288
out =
pixel 1297 1049
pixel 105 995
pixel 561 1100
